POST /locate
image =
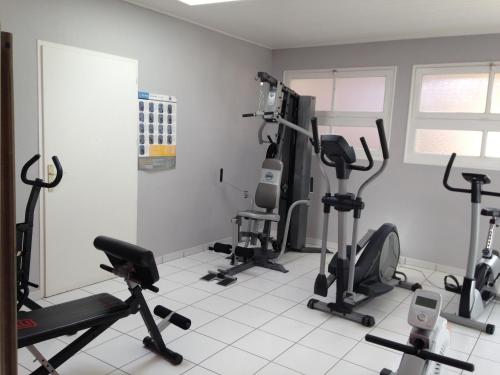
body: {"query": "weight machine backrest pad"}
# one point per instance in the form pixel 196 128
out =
pixel 67 318
pixel 138 261
pixel 268 191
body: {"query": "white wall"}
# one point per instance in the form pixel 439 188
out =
pixel 433 223
pixel 211 74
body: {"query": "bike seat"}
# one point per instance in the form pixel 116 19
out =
pixel 476 177
pixel 493 212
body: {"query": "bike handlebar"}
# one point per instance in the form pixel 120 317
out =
pixel 423 354
pixel 39 182
pixel 456 189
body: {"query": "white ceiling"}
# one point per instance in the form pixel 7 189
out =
pixel 300 23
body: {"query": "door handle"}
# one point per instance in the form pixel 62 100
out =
pixel 51 173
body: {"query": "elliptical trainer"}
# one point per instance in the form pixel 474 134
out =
pixel 374 273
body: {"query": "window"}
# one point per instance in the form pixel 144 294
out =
pixel 455 108
pixel 348 101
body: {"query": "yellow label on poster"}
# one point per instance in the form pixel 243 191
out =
pixel 162 150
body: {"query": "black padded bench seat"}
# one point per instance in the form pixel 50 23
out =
pixel 67 318
pixel 495 212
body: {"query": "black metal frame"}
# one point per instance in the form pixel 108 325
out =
pixel 24 232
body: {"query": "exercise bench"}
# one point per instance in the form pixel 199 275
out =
pixel 97 313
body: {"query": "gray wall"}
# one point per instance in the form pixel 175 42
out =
pixel 433 223
pixel 212 76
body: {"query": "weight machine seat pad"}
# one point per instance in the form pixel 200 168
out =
pixel 490 211
pixel 259 215
pixel 69 317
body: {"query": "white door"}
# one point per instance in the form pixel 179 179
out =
pixel 88 116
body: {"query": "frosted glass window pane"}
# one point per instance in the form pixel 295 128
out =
pixel 321 88
pixel 352 134
pixel 493 145
pixel 322 130
pixel 495 98
pixel 445 142
pixel 454 93
pixel 360 94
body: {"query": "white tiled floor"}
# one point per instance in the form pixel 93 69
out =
pixel 260 325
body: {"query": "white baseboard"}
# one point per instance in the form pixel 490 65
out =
pixel 187 252
pixel 407 261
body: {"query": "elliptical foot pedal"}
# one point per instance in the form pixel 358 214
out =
pixel 227 281
pixel 209 276
pixel 455 287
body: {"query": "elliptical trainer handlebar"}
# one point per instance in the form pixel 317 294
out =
pixel 38 181
pixel 461 190
pixel 382 138
pixel 424 354
pixel 315 138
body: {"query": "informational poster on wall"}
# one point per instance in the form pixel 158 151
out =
pixel 157 129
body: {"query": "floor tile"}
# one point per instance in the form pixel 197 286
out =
pixel 305 360
pixel 347 368
pixel 208 286
pixel 260 284
pixel 483 366
pixel 304 314
pixel 217 304
pixel 274 369
pixel 292 293
pixel 373 357
pixel 485 349
pixel 184 263
pixel 184 277
pixel 196 347
pixel 272 303
pixel 346 327
pixel 47 348
pixel 225 330
pixel 240 293
pixel 84 364
pixel 166 286
pixel 328 342
pixel 232 361
pixel 302 282
pixel 187 295
pixel 119 351
pixel 22 370
pixel 107 335
pixel 251 316
pixel 153 364
pixel 68 296
pixel 198 370
pixel 465 344
pixel 198 317
pixel 263 344
pixel 165 269
pixel 129 323
pixel 396 324
pixel 108 286
pixel 286 328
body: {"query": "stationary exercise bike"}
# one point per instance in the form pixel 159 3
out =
pixel 479 287
pixel 24 231
pixel 377 253
pixel 429 338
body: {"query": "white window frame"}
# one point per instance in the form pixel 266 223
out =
pixel 354 119
pixel 483 122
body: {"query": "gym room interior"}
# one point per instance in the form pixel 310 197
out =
pixel 280 187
